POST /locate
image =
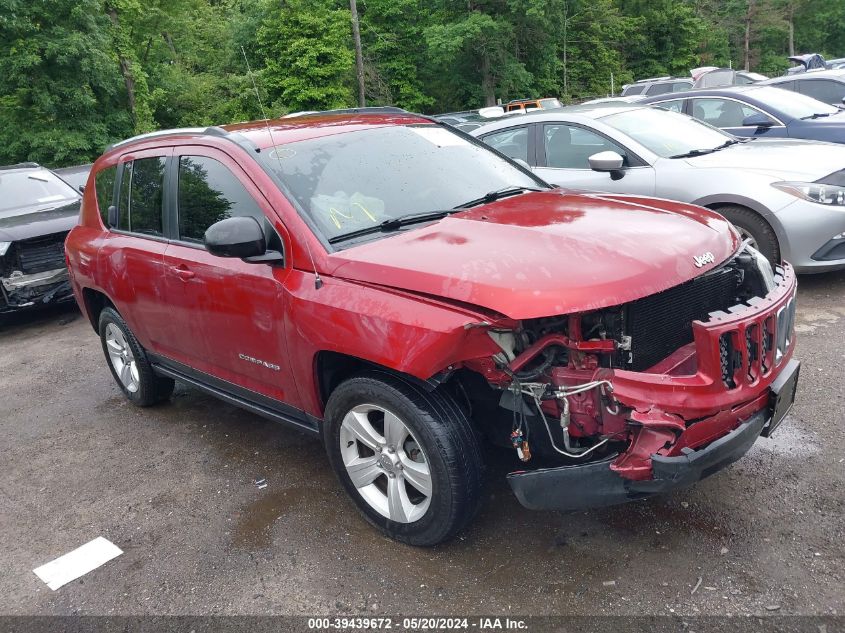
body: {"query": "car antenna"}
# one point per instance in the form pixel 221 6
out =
pixel 318 281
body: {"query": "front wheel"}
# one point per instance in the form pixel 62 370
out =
pixel 407 457
pixel 754 227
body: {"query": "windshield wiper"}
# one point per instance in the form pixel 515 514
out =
pixel 817 115
pixel 498 194
pixel 392 224
pixel 710 150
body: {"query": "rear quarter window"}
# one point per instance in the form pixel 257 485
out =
pixel 141 196
pixel 104 185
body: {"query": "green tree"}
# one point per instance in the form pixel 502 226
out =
pixel 309 63
pixel 592 36
pixel 394 53
pixel 665 39
pixel 123 15
pixel 61 92
pixel 76 75
pixel 473 49
pixel 820 27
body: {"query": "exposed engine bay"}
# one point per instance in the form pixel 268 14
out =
pixel 33 272
pixel 555 381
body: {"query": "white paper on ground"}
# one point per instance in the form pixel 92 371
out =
pixel 77 563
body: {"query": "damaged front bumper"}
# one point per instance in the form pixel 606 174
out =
pixel 595 484
pixel 19 291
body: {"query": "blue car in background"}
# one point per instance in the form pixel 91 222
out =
pixel 759 111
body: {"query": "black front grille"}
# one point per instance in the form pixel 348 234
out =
pixel 660 324
pixel 41 254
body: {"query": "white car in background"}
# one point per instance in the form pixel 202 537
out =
pixel 787 196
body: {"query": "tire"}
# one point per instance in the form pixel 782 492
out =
pixel 751 224
pixel 139 383
pixel 439 439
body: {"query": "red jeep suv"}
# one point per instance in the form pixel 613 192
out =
pixel 406 293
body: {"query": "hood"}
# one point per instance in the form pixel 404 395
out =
pixel 827 128
pixel 784 159
pixel 546 253
pixel 33 222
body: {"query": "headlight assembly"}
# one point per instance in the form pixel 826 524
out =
pixel 819 193
pixel 767 276
pixel 4 247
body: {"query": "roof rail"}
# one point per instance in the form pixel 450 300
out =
pixel 364 110
pixel 26 165
pixel 210 131
pixel 639 81
pixel 368 110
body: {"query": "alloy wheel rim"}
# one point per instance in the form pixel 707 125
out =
pixel 745 235
pixel 122 359
pixel 385 463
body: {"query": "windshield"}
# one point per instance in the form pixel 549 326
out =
pixel 32 188
pixel 549 104
pixel 666 133
pixel 792 104
pixel 350 181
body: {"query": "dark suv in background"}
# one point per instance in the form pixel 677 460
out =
pixel 37 209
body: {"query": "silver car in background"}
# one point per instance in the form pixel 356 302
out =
pixel 786 195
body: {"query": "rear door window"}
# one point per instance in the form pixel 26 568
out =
pixel 723 113
pixel 512 142
pixel 673 105
pixel 141 196
pixel 210 192
pixel 824 90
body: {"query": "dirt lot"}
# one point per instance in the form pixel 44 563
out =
pixel 173 487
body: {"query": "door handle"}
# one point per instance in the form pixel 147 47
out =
pixel 182 272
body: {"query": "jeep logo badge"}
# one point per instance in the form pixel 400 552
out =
pixel 703 259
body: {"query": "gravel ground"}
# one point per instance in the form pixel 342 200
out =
pixel 173 487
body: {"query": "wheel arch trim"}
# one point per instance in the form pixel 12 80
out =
pixel 714 202
pixel 326 382
pixel 95 301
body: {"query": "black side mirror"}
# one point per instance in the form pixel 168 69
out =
pixel 757 120
pixel 81 188
pixel 111 216
pixel 239 237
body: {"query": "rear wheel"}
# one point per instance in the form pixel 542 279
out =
pixel 751 225
pixel 129 364
pixel 407 457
